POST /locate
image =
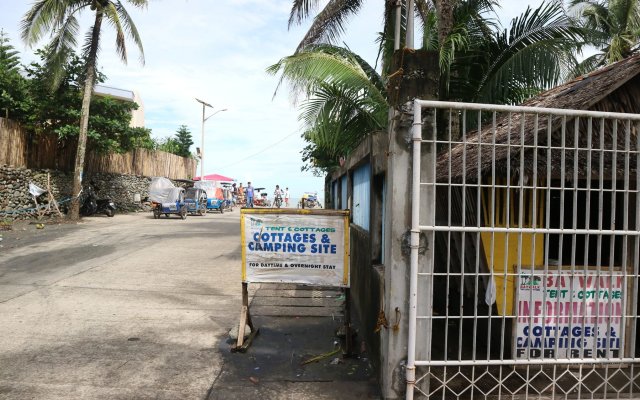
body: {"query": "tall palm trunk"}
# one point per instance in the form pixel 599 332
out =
pixel 444 9
pixel 84 115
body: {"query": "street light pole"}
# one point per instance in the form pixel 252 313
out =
pixel 204 106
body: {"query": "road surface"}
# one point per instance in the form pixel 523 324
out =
pixel 124 307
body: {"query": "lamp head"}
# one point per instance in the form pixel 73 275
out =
pixel 204 103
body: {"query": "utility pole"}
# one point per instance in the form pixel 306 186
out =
pixel 204 119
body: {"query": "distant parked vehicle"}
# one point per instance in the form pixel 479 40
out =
pixel 310 200
pixel 91 204
pixel 260 199
pixel 215 196
pixel 196 201
pixel 166 198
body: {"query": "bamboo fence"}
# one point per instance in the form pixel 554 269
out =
pixel 47 152
pixel 13 144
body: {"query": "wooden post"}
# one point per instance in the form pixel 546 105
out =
pixel 245 319
pixel 52 200
pixel 35 200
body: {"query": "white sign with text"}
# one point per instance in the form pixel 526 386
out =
pixel 295 246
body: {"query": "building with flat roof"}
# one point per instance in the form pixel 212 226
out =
pixel 137 116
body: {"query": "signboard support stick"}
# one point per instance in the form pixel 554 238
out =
pixel 245 319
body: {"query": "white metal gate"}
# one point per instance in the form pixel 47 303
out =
pixel 529 284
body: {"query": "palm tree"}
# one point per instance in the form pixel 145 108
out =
pixel 614 28
pixel 330 22
pixel 59 18
pixel 508 66
pixel 346 100
pixel 482 64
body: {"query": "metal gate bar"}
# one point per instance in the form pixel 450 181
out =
pixel 536 258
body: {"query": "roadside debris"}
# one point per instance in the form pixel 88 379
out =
pixel 321 357
pixel 254 380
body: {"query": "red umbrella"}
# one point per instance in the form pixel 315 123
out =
pixel 215 177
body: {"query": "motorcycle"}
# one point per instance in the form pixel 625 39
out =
pixel 277 202
pixel 310 200
pixel 92 205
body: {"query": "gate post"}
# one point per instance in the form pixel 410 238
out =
pixel 416 76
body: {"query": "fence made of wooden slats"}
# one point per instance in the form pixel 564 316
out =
pixel 47 151
pixel 13 144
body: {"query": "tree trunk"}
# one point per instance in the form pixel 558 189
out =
pixel 444 8
pixel 74 214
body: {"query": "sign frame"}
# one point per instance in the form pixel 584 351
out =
pixel 343 214
pixel 245 315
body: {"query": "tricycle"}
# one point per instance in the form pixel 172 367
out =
pixel 215 205
pixel 166 198
pixel 215 197
pixel 260 199
pixel 196 201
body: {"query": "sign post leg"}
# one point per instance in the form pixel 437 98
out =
pixel 245 319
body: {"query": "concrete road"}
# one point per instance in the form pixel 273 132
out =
pixel 124 307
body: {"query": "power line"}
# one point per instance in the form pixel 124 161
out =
pixel 261 151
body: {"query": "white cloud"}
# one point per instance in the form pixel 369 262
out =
pixel 218 51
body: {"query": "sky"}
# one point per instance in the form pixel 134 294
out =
pixel 217 51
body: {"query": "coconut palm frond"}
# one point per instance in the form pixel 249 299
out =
pixel 130 27
pixel 112 16
pixel 46 16
pixel 329 24
pixel 455 41
pixel 346 53
pixel 587 65
pixel 344 103
pixel 540 37
pixel 430 32
pixel 613 26
pixel 331 138
pixel 301 10
pixel 60 48
pixel 91 40
pixel 306 71
pixel 424 10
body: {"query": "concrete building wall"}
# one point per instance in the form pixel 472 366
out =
pixel 137 116
pixel 380 256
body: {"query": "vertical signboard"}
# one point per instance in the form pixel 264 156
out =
pixel 295 246
pixel 565 314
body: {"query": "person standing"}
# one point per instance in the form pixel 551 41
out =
pixel 249 195
pixel 241 198
pixel 286 197
pixel 234 194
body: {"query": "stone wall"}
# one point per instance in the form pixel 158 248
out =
pixel 15 200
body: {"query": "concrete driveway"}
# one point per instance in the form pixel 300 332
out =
pixel 124 307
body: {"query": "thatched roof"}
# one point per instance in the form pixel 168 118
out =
pixel 615 88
